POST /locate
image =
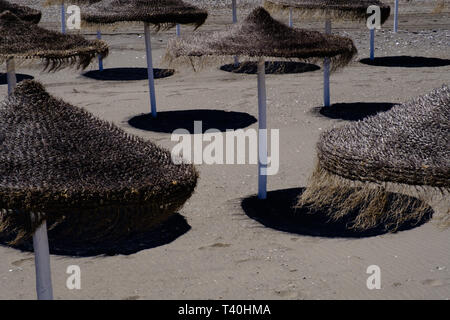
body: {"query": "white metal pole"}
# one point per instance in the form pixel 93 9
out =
pixel 100 58
pixel 11 75
pixel 151 79
pixel 262 131
pixel 42 263
pixel 63 18
pixel 291 23
pixel 326 71
pixel 396 16
pixel 372 44
pixel 233 4
pixel 178 28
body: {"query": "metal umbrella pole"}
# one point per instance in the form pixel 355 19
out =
pixel 234 9
pixel 63 18
pixel 262 131
pixel 11 75
pixel 326 71
pixel 151 79
pixel 100 58
pixel 372 44
pixel 44 287
pixel 396 17
pixel 291 22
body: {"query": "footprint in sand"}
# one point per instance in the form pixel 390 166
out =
pixel 436 282
pixel 20 262
pixel 216 245
pixel 288 294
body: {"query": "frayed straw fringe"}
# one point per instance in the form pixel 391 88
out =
pixel 57 60
pixel 374 204
pixel 444 220
pixel 96 225
pixel 259 35
pixel 305 14
pixel 124 24
pixel 198 63
pixel 49 3
pixel 156 12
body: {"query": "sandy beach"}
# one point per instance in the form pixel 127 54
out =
pixel 213 249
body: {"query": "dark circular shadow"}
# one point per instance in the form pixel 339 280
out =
pixel 406 62
pixel 162 234
pixel 272 67
pixel 278 212
pixel 169 121
pixel 19 77
pixel 127 74
pixel 353 111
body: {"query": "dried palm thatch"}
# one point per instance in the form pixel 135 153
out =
pixel 63 164
pixel 25 41
pixel 259 35
pixel 76 2
pixel 162 14
pixel 405 150
pixel 23 12
pixel 355 10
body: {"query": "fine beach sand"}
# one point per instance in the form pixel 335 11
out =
pixel 218 252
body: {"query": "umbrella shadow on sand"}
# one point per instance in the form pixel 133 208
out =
pixel 353 111
pixel 277 212
pixel 406 62
pixel 127 74
pixel 271 67
pixel 163 234
pixel 19 77
pixel 169 121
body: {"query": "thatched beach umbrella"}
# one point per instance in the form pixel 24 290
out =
pixel 405 149
pixel 23 12
pixel 331 10
pixel 396 16
pixel 159 13
pixel 62 165
pixel 23 41
pixel 257 37
pixel 63 19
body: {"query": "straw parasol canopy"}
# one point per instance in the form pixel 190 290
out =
pixel 160 13
pixel 355 10
pixel 259 35
pixel 63 164
pixel 23 12
pixel 24 41
pixel 403 149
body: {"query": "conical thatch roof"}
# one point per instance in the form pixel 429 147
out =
pixel 259 35
pixel 408 145
pixel 23 12
pixel 63 163
pixel 160 13
pixel 22 40
pixel 330 9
